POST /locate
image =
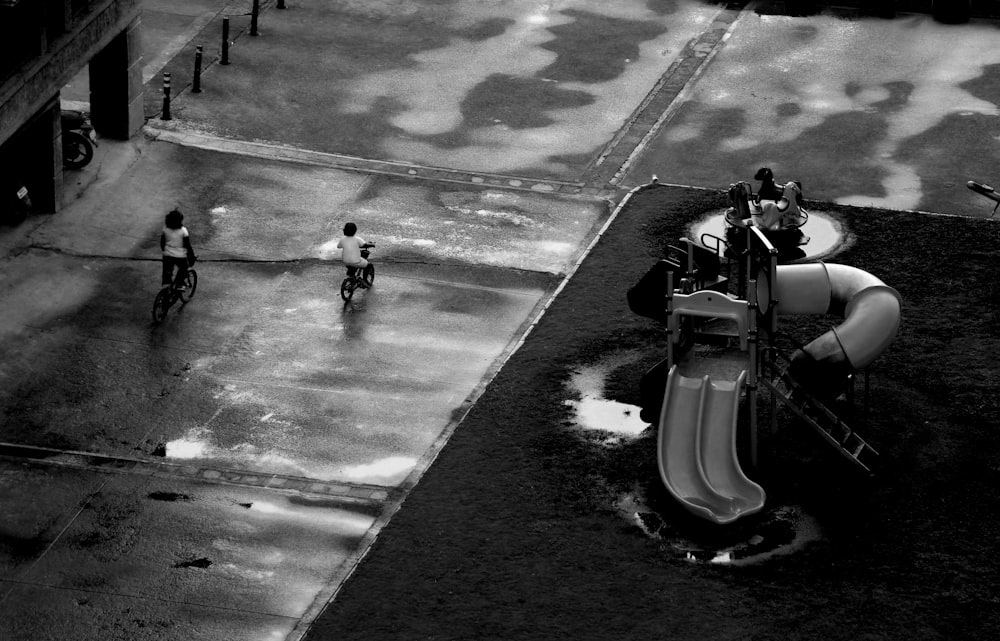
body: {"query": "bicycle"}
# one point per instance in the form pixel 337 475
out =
pixel 167 296
pixel 356 280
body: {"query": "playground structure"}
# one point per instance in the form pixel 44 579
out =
pixel 716 291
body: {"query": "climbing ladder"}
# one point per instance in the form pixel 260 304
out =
pixel 817 415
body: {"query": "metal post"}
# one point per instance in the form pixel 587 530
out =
pixel 225 41
pixel 253 17
pixel 281 4
pixel 771 318
pixel 166 96
pixel 754 354
pixel 670 323
pixel 196 83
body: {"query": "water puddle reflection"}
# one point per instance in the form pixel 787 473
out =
pixel 392 467
pixel 825 233
pixel 777 532
pixel 593 411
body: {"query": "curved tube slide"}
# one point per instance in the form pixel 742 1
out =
pixel 696 448
pixel 870 308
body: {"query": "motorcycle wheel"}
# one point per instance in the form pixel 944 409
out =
pixel 77 150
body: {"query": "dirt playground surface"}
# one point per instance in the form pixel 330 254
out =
pixel 532 526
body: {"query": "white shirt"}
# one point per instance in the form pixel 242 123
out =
pixel 175 242
pixel 352 249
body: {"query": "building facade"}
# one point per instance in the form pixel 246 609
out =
pixel 43 45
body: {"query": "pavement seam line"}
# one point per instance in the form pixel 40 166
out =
pixel 678 100
pixel 176 134
pixel 350 492
pixel 644 104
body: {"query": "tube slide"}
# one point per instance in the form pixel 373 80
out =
pixel 696 448
pixel 870 308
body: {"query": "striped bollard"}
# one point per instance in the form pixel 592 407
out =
pixel 166 96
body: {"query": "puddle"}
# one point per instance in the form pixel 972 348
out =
pixel 196 563
pixel 777 532
pixel 393 467
pixel 169 496
pixel 824 232
pixel 593 411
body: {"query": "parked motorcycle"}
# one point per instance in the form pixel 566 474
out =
pixel 78 139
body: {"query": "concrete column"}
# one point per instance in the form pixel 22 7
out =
pixel 34 156
pixel 116 108
pixel 50 166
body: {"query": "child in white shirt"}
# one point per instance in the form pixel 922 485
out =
pixel 175 243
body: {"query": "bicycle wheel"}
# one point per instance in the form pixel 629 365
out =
pixel 347 288
pixel 191 283
pixel 164 299
pixel 369 274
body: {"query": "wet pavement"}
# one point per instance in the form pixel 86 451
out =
pixel 266 382
pixel 526 88
pixel 219 475
pixel 897 114
pixel 238 562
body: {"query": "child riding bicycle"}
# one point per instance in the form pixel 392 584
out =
pixel 175 243
pixel 353 245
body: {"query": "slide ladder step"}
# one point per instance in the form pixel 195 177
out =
pixel 814 413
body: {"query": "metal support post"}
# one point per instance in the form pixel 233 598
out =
pixel 754 368
pixel 281 4
pixel 254 12
pixel 670 318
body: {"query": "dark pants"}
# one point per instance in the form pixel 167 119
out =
pixel 169 262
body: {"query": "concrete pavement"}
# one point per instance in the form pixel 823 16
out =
pixel 265 381
pixel 240 562
pixel 897 114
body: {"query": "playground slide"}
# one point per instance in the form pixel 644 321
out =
pixel 696 448
pixel 870 308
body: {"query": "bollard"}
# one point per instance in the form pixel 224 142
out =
pixel 166 96
pixel 281 4
pixel 225 41
pixel 253 17
pixel 196 83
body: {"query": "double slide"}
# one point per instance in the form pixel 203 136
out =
pixel 696 447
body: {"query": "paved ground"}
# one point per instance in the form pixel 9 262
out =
pixel 482 147
pixel 896 113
